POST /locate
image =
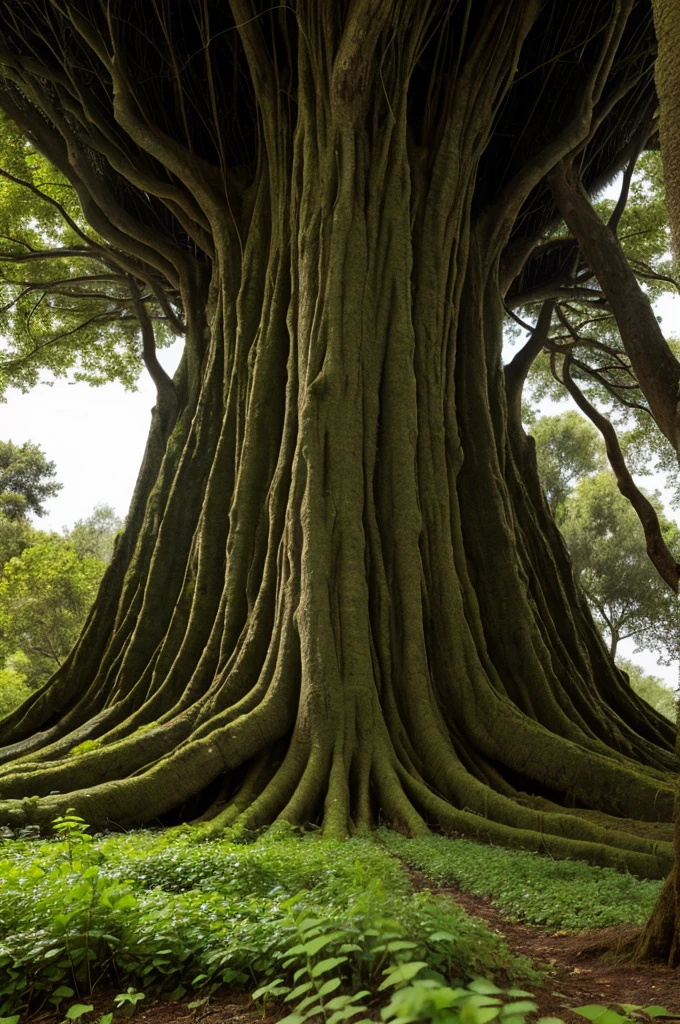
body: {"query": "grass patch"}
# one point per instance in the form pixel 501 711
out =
pixel 165 913
pixel 555 894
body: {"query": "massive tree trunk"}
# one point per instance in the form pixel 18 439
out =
pixel 340 596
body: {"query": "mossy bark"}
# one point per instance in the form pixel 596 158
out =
pixel 340 596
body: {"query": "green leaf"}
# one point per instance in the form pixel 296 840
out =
pixel 313 1012
pixel 478 999
pixel 484 987
pixel 327 965
pixel 601 1014
pixel 591 1012
pixel 525 1006
pixel 106 1019
pixel 483 1014
pixel 299 991
pixel 63 992
pixel 78 1010
pixel 656 1011
pixel 345 1014
pixel 402 973
pixel 330 986
pixel 312 947
pixel 340 1001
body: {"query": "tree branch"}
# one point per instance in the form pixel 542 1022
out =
pixel 164 385
pixel 517 369
pixel 658 551
pixel 655 366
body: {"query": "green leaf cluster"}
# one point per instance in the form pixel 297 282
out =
pixel 605 538
pixel 165 913
pixel 65 305
pixel 26 481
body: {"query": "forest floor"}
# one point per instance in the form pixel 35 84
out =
pixel 583 971
pixel 197 922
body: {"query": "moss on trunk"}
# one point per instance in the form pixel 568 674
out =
pixel 340 596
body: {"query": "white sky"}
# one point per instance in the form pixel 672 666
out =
pixel 96 437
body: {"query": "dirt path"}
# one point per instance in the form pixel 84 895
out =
pixel 581 973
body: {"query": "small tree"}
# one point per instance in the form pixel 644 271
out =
pixel 567 449
pixel 26 480
pixel 94 537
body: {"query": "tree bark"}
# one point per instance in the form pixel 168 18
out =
pixel 340 596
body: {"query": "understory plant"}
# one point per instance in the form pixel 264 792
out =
pixel 167 914
pixel 560 895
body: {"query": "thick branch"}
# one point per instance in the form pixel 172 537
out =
pixel 519 366
pixel 163 382
pixel 655 366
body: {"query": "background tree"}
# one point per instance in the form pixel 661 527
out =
pixel 45 595
pixel 567 449
pixel 94 537
pixel 651 688
pixel 26 480
pixel 607 546
pixel 339 592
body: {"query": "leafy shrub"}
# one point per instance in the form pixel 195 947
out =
pixel 163 912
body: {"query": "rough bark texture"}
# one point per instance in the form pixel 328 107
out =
pixel 667 24
pixel 340 596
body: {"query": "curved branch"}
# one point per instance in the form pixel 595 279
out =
pixel 517 369
pixel 657 549
pixel 164 385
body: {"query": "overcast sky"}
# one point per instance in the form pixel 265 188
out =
pixel 96 437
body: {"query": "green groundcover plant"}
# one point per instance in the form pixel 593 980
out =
pixel 330 930
pixel 561 895
pixel 169 914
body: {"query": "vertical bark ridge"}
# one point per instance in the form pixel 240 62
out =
pixel 339 597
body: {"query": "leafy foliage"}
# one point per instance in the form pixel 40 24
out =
pixel 94 537
pixel 651 688
pixel 45 595
pixel 606 540
pixel 65 306
pixel 47 584
pixel 26 480
pixel 565 895
pixel 567 449
pixel 480 1002
pixel 607 546
pixel 165 913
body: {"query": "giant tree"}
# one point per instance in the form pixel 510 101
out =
pixel 340 595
